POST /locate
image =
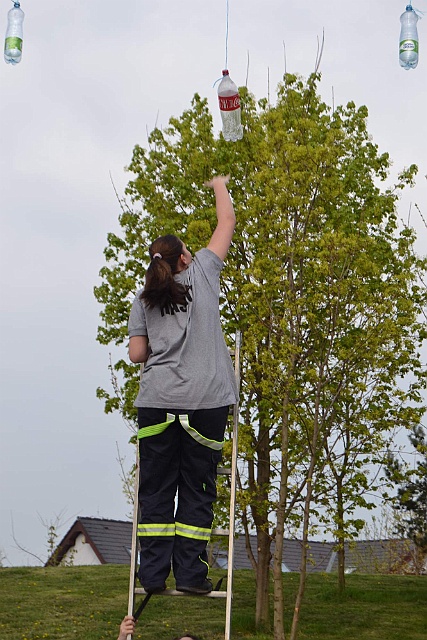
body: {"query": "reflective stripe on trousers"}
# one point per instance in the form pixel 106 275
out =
pixel 188 531
pixel 179 529
pixel 163 529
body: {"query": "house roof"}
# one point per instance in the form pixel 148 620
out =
pixel 110 540
pixel 376 556
pixel 319 554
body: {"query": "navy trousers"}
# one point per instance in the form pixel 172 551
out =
pixel 179 452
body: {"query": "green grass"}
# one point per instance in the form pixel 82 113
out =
pixel 87 603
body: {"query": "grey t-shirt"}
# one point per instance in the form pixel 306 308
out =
pixel 189 366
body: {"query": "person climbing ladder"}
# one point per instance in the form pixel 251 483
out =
pixel 186 389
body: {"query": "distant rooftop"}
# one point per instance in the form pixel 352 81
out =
pixel 110 542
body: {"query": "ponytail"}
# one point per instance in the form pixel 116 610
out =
pixel 161 289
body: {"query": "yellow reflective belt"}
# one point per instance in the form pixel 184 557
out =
pixel 212 444
pixel 162 529
pixel 188 531
pixel 155 429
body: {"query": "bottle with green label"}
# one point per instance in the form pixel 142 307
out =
pixel 408 43
pixel 14 34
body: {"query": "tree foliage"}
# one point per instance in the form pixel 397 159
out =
pixel 321 280
pixel 411 499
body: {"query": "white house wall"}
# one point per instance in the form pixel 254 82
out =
pixel 81 554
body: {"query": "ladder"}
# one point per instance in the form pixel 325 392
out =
pixel 228 593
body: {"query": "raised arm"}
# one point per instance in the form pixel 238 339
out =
pixel 221 237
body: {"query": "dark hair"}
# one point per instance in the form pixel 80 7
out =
pixel 161 289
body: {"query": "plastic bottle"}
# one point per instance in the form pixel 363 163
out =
pixel 408 49
pixel 229 105
pixel 14 35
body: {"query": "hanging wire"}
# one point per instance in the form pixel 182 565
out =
pixel 226 34
pixel 226 41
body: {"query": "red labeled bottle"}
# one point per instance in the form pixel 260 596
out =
pixel 229 106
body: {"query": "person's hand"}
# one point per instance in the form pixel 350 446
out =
pixel 217 180
pixel 127 627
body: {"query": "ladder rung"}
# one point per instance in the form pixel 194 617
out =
pixel 174 592
pixel 220 532
pixel 223 471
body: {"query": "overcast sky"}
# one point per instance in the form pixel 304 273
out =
pixel 94 77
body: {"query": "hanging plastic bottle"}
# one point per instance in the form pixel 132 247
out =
pixel 14 34
pixel 229 105
pixel 408 49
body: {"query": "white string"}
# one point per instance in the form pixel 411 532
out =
pixel 226 36
pixel 226 41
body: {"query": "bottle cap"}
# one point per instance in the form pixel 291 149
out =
pixel 225 72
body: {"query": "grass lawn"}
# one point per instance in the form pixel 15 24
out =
pixel 87 603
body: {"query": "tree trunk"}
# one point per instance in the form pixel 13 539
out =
pixel 262 617
pixel 260 517
pixel 340 538
pixel 303 567
pixel 278 613
pixel 341 565
pixel 306 519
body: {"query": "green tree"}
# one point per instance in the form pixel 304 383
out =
pixel 315 241
pixel 411 499
pixel 381 348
